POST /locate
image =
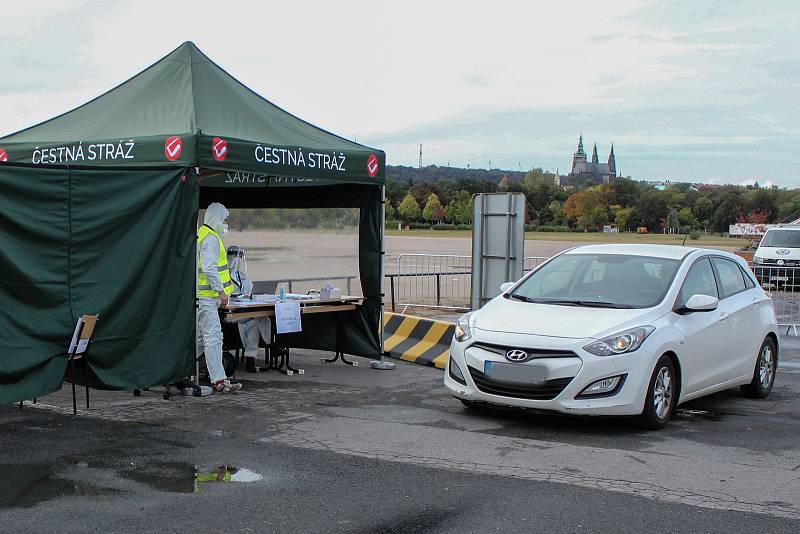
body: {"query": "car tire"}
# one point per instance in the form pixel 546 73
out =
pixel 764 372
pixel 661 397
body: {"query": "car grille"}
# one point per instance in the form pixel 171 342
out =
pixel 547 390
pixel 532 353
pixel 787 263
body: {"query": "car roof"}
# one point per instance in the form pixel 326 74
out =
pixel 672 252
pixel 784 227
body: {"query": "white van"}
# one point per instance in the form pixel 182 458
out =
pixel 777 259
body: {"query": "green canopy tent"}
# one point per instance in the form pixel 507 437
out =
pixel 99 209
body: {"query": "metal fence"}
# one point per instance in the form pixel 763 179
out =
pixel 443 282
pixel 437 281
pixel 430 281
pixel 784 285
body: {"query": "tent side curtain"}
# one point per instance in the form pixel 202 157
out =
pixel 361 328
pixel 76 242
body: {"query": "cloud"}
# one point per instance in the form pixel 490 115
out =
pixel 672 82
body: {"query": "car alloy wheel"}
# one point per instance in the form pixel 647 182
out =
pixel 663 391
pixel 766 366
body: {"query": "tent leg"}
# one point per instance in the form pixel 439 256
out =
pixel 72 380
pixel 86 378
pixel 382 364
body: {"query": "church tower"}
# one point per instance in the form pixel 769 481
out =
pixel 612 163
pixel 579 157
pixel 594 155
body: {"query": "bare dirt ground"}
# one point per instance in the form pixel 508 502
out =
pixel 292 254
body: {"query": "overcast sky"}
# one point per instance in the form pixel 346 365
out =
pixel 694 90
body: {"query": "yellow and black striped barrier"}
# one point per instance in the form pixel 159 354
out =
pixel 416 339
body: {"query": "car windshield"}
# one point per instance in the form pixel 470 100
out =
pixel 782 238
pixel 599 280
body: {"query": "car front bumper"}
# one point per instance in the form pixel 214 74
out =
pixel 578 372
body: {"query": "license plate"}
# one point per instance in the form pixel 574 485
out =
pixel 515 373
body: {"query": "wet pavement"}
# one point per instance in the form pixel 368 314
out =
pixel 342 449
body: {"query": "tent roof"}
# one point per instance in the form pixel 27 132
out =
pixel 220 124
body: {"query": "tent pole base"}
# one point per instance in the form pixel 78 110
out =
pixel 382 364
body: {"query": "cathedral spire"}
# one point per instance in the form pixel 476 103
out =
pixel 580 154
pixel 594 154
pixel 612 163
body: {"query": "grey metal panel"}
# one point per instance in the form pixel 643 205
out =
pixel 498 240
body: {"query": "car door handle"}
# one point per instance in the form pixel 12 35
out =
pixel 723 316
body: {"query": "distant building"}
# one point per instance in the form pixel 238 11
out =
pixel 583 170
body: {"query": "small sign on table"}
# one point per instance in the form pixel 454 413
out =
pixel 287 317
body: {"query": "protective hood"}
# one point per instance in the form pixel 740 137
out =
pixel 236 260
pixel 215 217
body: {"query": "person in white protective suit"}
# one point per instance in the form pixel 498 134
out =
pixel 214 286
pixel 250 330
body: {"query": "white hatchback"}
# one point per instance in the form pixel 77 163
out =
pixel 618 330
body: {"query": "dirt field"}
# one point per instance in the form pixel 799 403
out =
pixel 276 254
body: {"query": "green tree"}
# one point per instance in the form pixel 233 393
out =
pixel 704 209
pixel 623 216
pixel 728 210
pixel 672 219
pixel 433 209
pixel 459 210
pixel 651 210
pixel 409 209
pixel 389 209
pixel 687 218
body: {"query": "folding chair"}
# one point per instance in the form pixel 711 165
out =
pixel 78 347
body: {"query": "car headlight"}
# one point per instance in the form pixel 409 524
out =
pixel 620 343
pixel 757 260
pixel 463 331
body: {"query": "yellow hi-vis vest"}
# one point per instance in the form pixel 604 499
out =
pixel 203 288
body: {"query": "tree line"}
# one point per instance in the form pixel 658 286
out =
pixel 626 203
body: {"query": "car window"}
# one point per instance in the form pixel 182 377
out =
pixel 699 281
pixel 748 279
pixel 731 279
pixel 781 238
pixel 612 280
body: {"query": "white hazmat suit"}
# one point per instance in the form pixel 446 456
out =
pixel 209 330
pixel 250 330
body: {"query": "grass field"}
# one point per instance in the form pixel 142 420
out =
pixel 590 237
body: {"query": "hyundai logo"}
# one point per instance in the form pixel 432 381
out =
pixel 783 251
pixel 516 355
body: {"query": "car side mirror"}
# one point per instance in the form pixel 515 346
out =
pixel 506 286
pixel 700 303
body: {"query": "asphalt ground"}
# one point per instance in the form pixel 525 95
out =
pixel 352 449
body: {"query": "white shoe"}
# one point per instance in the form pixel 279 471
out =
pixel 225 386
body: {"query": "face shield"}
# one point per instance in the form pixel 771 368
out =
pixel 215 217
pixel 236 260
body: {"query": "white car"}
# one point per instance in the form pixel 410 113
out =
pixel 777 258
pixel 624 330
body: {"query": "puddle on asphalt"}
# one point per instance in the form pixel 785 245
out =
pixel 24 486
pixel 179 477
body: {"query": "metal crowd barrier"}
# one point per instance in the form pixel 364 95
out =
pixel 784 285
pixel 437 281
